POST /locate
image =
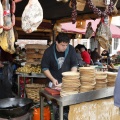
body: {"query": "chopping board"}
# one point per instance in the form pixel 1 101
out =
pixel 52 91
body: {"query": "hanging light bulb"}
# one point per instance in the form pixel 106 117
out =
pixel 81 24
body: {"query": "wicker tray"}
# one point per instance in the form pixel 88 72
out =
pixel 32 91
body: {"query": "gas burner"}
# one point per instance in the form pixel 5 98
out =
pixel 27 116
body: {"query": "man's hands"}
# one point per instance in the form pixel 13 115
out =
pixel 55 82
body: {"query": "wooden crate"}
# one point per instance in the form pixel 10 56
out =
pixel 36 46
pixel 34 53
pixel 40 51
pixel 30 56
pixel 33 60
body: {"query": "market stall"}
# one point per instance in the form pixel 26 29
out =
pixel 24 76
pixel 74 99
pixel 86 87
pixel 89 85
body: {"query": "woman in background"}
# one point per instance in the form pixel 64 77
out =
pixel 85 56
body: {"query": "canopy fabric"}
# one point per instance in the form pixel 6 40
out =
pixel 69 27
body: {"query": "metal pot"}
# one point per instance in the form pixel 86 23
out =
pixel 14 107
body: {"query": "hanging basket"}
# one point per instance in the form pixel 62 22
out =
pixel 80 5
pixel 99 3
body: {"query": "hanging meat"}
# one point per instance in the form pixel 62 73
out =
pixel 89 32
pixel 32 16
pixel 1 17
pixel 103 35
pixel 7 37
pixel 74 11
pixel 115 11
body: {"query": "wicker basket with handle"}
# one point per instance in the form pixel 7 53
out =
pixel 32 91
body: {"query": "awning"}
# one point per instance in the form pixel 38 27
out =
pixel 69 27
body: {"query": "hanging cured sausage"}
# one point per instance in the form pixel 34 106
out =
pixel 1 17
pixel 7 37
pixel 32 16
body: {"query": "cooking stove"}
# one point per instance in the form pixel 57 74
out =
pixel 27 116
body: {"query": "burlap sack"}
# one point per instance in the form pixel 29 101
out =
pixel 89 31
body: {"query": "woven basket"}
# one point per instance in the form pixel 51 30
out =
pixel 32 91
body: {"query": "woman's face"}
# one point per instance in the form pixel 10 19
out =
pixel 61 47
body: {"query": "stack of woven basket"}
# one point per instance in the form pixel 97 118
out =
pixel 87 78
pixel 101 79
pixel 111 77
pixel 34 53
pixel 70 83
pixel 32 91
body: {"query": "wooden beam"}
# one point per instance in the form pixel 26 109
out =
pixel 40 30
pixel 47 35
pixel 33 37
pixel 44 20
pixel 84 17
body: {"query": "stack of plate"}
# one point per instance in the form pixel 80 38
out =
pixel 101 79
pixel 70 83
pixel 87 78
pixel 111 77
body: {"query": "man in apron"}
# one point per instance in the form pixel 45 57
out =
pixel 59 57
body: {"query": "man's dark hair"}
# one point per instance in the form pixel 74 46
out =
pixel 95 49
pixel 62 37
